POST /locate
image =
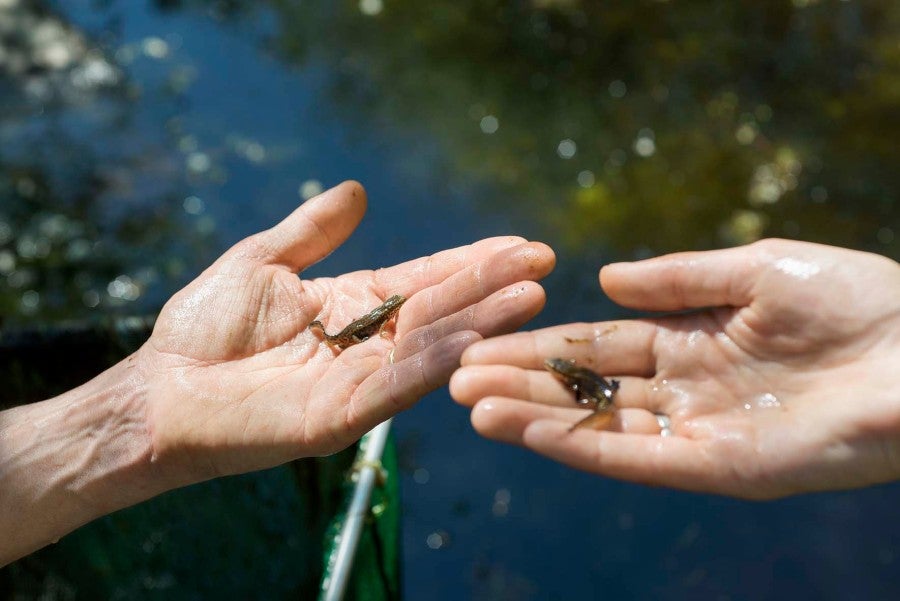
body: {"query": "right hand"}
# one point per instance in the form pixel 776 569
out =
pixel 236 381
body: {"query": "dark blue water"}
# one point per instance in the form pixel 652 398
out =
pixel 220 110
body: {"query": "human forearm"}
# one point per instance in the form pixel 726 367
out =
pixel 73 458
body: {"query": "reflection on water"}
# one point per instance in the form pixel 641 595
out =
pixel 90 217
pixel 652 126
pixel 136 142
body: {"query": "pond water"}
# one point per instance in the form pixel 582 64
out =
pixel 139 140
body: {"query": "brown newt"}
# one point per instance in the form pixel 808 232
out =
pixel 363 328
pixel 590 389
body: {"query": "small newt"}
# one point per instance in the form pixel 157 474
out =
pixel 363 328
pixel 590 388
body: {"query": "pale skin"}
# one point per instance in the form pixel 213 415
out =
pixel 781 379
pixel 231 380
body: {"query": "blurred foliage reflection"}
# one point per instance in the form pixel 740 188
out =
pixel 640 126
pixel 648 126
pixel 86 221
pixel 635 126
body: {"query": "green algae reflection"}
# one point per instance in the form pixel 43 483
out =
pixel 641 126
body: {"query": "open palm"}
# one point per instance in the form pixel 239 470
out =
pixel 238 381
pixel 786 384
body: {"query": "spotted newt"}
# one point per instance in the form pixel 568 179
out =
pixel 363 328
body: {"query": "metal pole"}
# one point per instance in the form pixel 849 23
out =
pixel 340 564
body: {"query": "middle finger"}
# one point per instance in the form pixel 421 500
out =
pixel 501 312
pixel 530 261
pixel 472 383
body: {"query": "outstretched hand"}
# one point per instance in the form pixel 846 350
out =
pixel 238 381
pixel 782 379
pixel 232 379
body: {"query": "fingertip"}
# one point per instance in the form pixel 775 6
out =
pixel 684 280
pixel 470 355
pixel 460 385
pixel 348 198
pixel 610 272
pixel 516 348
pixel 482 352
pixel 532 293
pixel 481 411
pixel 509 308
pixel 315 228
pixel 489 421
pixel 531 261
pixel 544 259
pixel 472 383
pixel 354 191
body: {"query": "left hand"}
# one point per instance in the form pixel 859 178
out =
pixel 781 379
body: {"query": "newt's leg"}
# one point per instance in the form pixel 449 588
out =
pixel 598 420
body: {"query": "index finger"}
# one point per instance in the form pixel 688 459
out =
pixel 423 272
pixel 614 347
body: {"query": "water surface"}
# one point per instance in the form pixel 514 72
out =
pixel 152 136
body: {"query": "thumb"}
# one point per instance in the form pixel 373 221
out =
pixel 316 228
pixel 686 280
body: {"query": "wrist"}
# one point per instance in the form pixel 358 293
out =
pixel 73 458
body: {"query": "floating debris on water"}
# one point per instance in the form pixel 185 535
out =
pixel 421 475
pixel 438 539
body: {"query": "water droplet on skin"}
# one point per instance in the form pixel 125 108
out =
pixel 764 401
pixel 795 267
pixel 767 401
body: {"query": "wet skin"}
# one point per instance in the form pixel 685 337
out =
pixel 590 388
pixel 363 328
